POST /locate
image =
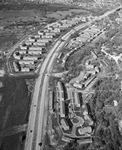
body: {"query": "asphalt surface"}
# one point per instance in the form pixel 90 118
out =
pixel 35 126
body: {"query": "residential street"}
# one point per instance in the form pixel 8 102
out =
pixel 38 115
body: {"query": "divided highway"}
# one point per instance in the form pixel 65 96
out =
pixel 37 118
pixel 34 133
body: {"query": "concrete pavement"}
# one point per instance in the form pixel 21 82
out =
pixel 34 132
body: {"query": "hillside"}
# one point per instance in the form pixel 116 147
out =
pixel 84 3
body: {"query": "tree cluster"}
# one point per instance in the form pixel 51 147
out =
pixel 107 135
pixel 111 33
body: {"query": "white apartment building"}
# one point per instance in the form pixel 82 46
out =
pixel 40 32
pixel 23 47
pixel 25 69
pixel 39 43
pixel 32 58
pixel 35 52
pixel 37 48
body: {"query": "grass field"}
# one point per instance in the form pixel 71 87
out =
pixel 14 109
pixel 10 16
pixel 63 14
pixel 14 24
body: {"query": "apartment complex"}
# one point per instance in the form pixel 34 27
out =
pixel 72 114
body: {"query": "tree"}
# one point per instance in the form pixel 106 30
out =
pixel 106 135
pixel 75 35
pixel 72 145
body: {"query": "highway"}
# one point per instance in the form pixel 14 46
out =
pixel 36 115
pixel 37 118
pixel 76 28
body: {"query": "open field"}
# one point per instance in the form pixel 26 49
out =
pixel 14 24
pixel 14 112
pixel 10 16
pixel 19 20
pixel 63 14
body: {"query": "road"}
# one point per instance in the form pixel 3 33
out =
pixel 24 38
pixel 36 114
pixel 37 118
